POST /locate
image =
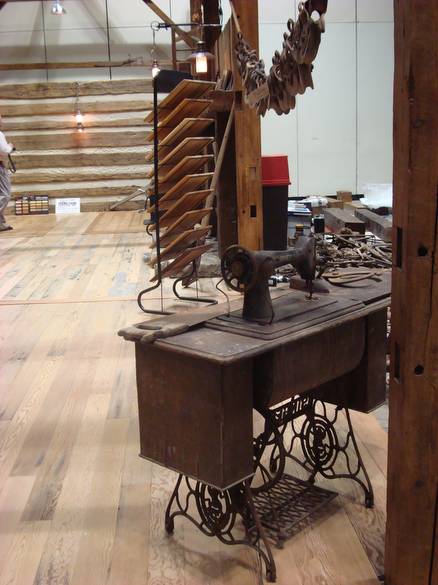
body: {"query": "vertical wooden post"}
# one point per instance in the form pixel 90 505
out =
pixel 226 186
pixel 248 143
pixel 211 34
pixel 211 16
pixel 411 540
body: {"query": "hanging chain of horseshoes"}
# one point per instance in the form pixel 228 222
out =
pixel 291 70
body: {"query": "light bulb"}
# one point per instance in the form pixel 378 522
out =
pixel 155 68
pixel 201 65
pixel 57 8
pixel 79 117
pixel 200 58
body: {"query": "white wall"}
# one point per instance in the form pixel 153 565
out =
pixel 338 137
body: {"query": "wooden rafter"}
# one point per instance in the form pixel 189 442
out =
pixel 191 42
pixel 75 65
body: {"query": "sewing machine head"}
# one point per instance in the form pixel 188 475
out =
pixel 248 272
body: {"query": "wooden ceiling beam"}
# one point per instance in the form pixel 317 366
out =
pixel 191 42
pixel 75 65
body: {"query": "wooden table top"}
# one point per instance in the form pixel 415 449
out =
pixel 210 334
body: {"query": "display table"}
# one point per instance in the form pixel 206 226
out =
pixel 201 374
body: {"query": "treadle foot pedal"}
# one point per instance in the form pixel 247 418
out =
pixel 290 502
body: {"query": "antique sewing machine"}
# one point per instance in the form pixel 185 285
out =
pixel 249 272
pixel 299 360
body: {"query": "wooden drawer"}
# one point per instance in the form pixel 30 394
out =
pixel 195 417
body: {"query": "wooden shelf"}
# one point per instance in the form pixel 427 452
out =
pixel 188 88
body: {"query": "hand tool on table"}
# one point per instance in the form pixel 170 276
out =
pixel 341 278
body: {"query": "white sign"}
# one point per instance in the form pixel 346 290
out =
pixel 68 205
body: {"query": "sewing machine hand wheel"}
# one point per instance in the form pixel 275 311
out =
pixel 248 272
pixel 238 269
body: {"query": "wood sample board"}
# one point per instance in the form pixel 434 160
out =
pixel 187 88
pixel 174 269
pixel 175 208
pixel 186 128
pixel 188 108
pixel 186 184
pixel 184 241
pixel 185 221
pixel 187 166
pixel 190 146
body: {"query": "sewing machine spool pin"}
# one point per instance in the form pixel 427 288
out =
pixel 248 272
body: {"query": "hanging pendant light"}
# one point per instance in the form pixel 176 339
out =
pixel 79 120
pixel 79 117
pixel 201 57
pixel 155 68
pixel 57 8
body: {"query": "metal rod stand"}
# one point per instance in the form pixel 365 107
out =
pixel 196 299
pixel 157 215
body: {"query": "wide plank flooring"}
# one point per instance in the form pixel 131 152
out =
pixel 77 504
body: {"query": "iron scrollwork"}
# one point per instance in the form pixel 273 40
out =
pixel 273 503
pixel 214 512
pixel 315 431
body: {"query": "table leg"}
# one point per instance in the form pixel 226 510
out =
pixel 215 512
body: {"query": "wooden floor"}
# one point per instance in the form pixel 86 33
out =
pixel 77 504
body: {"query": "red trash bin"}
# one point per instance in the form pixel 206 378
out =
pixel 275 182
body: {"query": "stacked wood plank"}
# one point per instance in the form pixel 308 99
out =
pixel 104 162
pixel 185 136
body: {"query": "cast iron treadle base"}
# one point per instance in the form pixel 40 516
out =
pixel 215 513
pixel 325 451
pixel 284 508
pixel 274 509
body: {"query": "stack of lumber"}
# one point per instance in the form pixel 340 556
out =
pixel 343 213
pixel 100 164
pixel 185 163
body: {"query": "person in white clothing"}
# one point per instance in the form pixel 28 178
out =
pixel 5 182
